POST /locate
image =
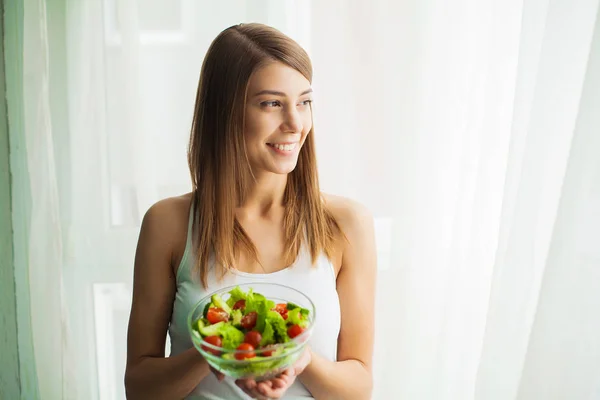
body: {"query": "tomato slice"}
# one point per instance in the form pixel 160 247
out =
pixel 239 305
pixel 253 338
pixel 295 330
pixel 281 308
pixel 245 347
pixel 249 320
pixel 215 341
pixel 216 314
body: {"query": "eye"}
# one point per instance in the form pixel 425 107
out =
pixel 274 103
pixel 305 103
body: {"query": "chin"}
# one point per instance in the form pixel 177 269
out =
pixel 283 170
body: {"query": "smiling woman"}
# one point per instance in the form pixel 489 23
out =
pixel 255 214
pixel 471 131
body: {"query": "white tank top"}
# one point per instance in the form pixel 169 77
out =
pixel 316 281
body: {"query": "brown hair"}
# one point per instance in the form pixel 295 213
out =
pixel 217 158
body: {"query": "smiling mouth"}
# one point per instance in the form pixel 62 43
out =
pixel 285 147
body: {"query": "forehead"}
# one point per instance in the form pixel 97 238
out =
pixel 280 77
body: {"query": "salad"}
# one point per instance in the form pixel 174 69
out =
pixel 249 323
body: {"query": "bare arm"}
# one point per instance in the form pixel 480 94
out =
pixel 351 376
pixel 149 375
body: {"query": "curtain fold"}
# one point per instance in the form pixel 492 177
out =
pixel 536 182
pixel 49 322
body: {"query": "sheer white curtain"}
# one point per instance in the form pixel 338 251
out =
pixel 469 128
pixel 47 317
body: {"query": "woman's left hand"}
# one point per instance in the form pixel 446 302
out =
pixel 275 388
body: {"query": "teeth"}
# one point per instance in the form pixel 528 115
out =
pixel 284 147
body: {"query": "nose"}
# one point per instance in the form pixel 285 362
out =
pixel 292 121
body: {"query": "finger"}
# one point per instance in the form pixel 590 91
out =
pixel 243 384
pixel 255 394
pixel 287 376
pixel 249 384
pixel 279 383
pixel 269 383
pixel 271 393
pixel 264 390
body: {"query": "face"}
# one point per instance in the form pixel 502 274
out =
pixel 278 118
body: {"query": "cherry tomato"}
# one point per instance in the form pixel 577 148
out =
pixel 295 330
pixel 239 305
pixel 281 308
pixel 215 315
pixel 253 338
pixel 215 341
pixel 245 347
pixel 249 320
pixel 268 350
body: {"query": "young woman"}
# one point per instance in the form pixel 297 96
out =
pixel 255 214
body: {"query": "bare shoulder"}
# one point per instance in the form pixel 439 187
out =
pixel 170 207
pixel 166 221
pixel 350 215
pixel 169 213
pixel 356 222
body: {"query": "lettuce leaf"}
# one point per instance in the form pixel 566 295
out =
pixel 268 335
pixel 258 303
pixel 279 326
pixel 232 337
pixel 295 317
pixel 235 295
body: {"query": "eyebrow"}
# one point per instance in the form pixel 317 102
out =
pixel 278 93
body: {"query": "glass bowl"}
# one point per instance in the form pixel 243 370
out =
pixel 268 362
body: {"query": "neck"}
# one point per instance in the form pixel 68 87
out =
pixel 264 196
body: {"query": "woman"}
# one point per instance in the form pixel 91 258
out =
pixel 255 214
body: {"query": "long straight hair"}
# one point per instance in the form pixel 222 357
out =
pixel 218 163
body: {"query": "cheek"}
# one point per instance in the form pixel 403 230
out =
pixel 307 120
pixel 254 145
pixel 306 125
pixel 253 132
pixel 258 127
